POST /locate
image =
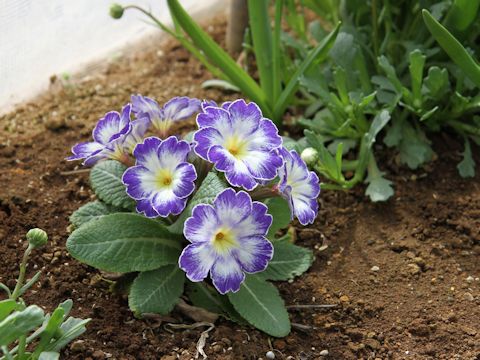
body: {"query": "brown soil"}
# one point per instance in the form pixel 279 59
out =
pixel 405 274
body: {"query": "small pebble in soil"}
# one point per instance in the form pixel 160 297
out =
pixel 375 268
pixel 270 355
pixel 469 279
pixel 469 297
pixel 324 353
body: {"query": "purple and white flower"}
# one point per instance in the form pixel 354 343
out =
pixel 299 186
pixel 240 142
pixel 176 109
pixel 115 137
pixel 227 240
pixel 162 179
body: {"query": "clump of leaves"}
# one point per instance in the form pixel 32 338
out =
pixel 385 62
pixel 26 332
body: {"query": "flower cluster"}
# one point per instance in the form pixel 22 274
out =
pixel 227 238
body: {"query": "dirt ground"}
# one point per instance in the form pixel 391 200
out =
pixel 403 274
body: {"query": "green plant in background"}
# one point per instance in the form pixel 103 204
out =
pixel 277 85
pixel 384 63
pixel 22 325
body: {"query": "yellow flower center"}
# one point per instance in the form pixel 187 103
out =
pixel 236 146
pixel 224 240
pixel 164 178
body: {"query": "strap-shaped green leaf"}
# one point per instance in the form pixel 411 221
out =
pixel 20 323
pixel 288 261
pixel 124 242
pixel 106 181
pixel 259 303
pixel 219 57
pixel 453 48
pixel 156 291
pixel 50 330
pixel 6 307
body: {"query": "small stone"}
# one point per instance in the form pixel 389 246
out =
pixel 470 279
pixel 469 297
pixel 217 348
pixel 344 299
pixel 280 344
pixel 414 269
pixel 324 353
pixel 78 346
pixel 375 268
pixel 270 355
pixel 98 355
pixel 372 344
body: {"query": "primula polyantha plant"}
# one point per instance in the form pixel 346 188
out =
pixel 197 216
pixel 26 332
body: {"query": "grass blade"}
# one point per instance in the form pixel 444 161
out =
pixel 453 48
pixel 219 57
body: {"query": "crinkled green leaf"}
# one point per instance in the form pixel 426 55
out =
pixel 211 186
pixel 466 167
pixel 91 211
pixel 280 211
pixel 436 83
pixel 259 303
pixel 124 242
pixel 288 261
pixel 106 181
pixel 156 291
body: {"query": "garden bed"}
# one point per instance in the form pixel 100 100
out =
pixel 403 274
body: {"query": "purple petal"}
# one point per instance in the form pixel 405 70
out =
pixel 110 128
pixel 85 149
pixel 245 117
pixel 257 223
pixel 144 105
pixel 223 160
pixel 263 165
pixel 207 103
pixel 146 152
pixel 227 275
pixel 204 139
pixel 165 203
pixel 171 152
pixel 215 117
pixel 254 253
pixel 144 206
pixel 184 180
pixel 305 210
pixel 266 136
pixel 197 260
pixel 239 176
pixel 134 179
pixel 201 226
pixel 231 207
pixel 180 108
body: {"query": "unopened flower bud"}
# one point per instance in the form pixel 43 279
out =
pixel 116 11
pixel 37 237
pixel 309 155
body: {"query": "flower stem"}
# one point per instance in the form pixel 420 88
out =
pixel 21 276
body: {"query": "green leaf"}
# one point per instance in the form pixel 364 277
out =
pixel 156 291
pixel 49 355
pixel 6 307
pixel 436 83
pixel 315 56
pixel 379 188
pixel 453 48
pixel 259 303
pixel 417 63
pixel 280 211
pixel 70 329
pixel 20 323
pixel 53 325
pixel 106 180
pixel 204 296
pixel 288 261
pixel 378 123
pixel 466 167
pixel 124 242
pixel 30 283
pixel 414 148
pixel 91 211
pixel 211 186
pixel 463 13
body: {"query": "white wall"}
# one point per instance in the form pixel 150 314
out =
pixel 39 38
